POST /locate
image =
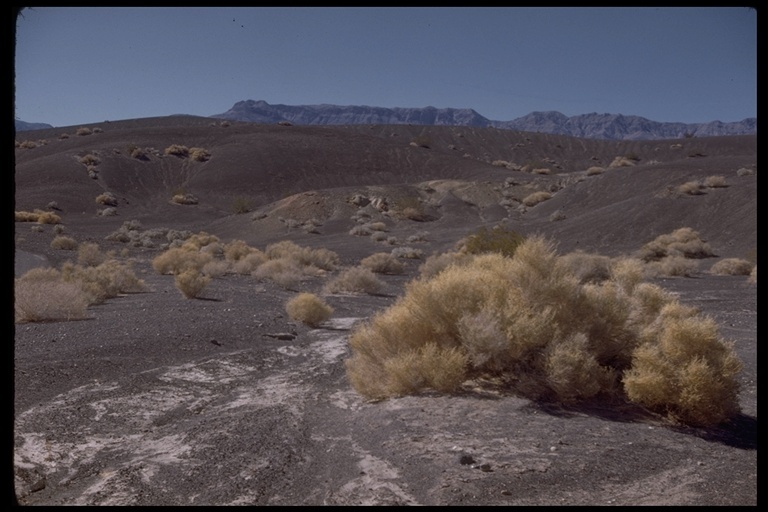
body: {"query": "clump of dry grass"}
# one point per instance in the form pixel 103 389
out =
pixel 621 161
pixel 309 309
pixel 177 150
pixel 104 281
pixel 732 267
pixel 536 198
pixel 39 216
pixel 497 239
pixel 89 254
pixel 89 160
pixel 716 181
pixel 675 265
pixel 588 267
pixel 199 154
pixel 530 322
pixel 185 199
pixel 684 242
pixel 753 275
pixel 178 259
pixel 691 188
pixel 106 199
pixel 595 170
pixel 355 280
pixel 41 295
pixel 191 282
pixel 83 130
pixel 64 243
pixel 383 263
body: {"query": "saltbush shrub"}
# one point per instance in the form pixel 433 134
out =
pixel 191 282
pixel 529 322
pixel 355 280
pixel 41 295
pixel 536 198
pixel 383 263
pixel 497 239
pixel 732 267
pixel 684 242
pixel 64 243
pixel 309 309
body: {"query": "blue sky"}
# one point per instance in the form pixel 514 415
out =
pixel 78 65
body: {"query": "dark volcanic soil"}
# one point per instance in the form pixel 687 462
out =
pixel 160 400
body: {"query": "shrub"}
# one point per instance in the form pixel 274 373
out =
pixel 436 263
pixel 588 267
pixel 89 160
pixel 498 239
pixel 692 188
pixel 304 256
pixel 64 243
pixel 186 199
pixel 89 254
pixel 308 309
pixel 199 154
pixel 106 199
pixel 595 170
pixel 676 265
pixel 191 282
pixel 286 272
pixel 542 170
pixel 249 263
pixel 682 242
pixel 382 263
pixel 104 281
pixel 732 267
pixel 753 275
pixel 744 171
pixel 621 161
pixel 715 182
pixel 40 295
pixel 138 153
pixel 536 198
pixel 407 252
pixel 177 259
pixel 241 205
pixel 83 130
pixel 360 231
pixel 355 280
pixel 177 150
pixel 528 321
pixel 28 144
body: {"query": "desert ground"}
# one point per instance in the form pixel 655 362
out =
pixel 222 399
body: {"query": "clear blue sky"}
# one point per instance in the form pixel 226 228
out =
pixel 89 64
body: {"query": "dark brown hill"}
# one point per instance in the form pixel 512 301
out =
pixel 258 167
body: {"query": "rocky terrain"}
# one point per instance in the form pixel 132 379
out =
pixel 156 399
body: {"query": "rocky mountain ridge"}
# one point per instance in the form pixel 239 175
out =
pixel 591 126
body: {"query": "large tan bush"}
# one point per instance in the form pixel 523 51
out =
pixel 309 309
pixel 530 321
pixel 684 242
pixel 41 295
pixel 382 263
pixel 191 282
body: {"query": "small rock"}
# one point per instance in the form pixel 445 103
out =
pixel 466 459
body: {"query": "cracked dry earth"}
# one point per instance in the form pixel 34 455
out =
pixel 109 414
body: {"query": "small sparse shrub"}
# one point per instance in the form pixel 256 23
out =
pixel 621 161
pixel 309 309
pixel 178 259
pixel 407 252
pixel 28 144
pixel 138 153
pixel 744 171
pixel 199 154
pixel 676 265
pixel 83 130
pixel 382 263
pixel 753 275
pixel 90 255
pixel 715 181
pixel 90 160
pixel 191 282
pixel 108 212
pixel 682 242
pixel 379 236
pixel 732 267
pixel 185 199
pixel 536 198
pixel 542 170
pixel 177 150
pixel 241 204
pixel 498 239
pixel 64 243
pixel 360 230
pixel 355 280
pixel 63 136
pixel 37 228
pixel 588 267
pixel 692 188
pixel 595 170
pixel 106 199
pixel 249 263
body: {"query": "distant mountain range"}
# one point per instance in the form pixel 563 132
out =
pixel 589 126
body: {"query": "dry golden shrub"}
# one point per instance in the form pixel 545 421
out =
pixel 732 267
pixel 355 280
pixel 178 259
pixel 309 309
pixel 716 181
pixel 595 170
pixel 191 282
pixel 90 255
pixel 64 243
pixel 530 321
pixel 383 263
pixel 536 198
pixel 41 295
pixel 691 188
